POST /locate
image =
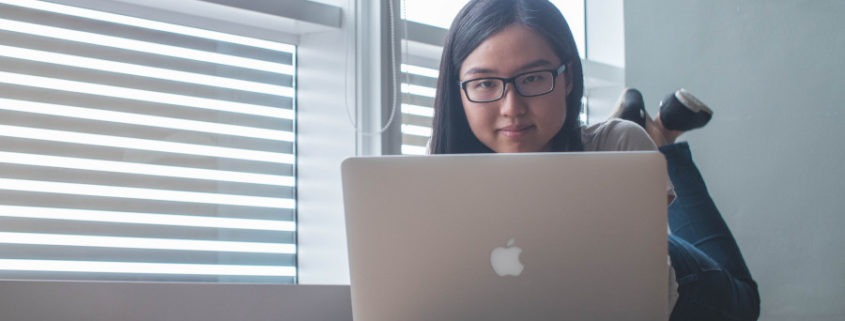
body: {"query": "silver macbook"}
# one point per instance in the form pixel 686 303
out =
pixel 563 236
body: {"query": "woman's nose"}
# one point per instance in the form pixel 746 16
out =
pixel 512 103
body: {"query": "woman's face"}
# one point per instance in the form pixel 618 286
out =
pixel 515 123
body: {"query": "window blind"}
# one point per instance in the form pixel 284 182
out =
pixel 421 50
pixel 133 149
pixel 418 87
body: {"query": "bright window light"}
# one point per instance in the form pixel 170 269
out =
pixel 146 120
pixel 417 70
pixel 145 243
pixel 416 130
pixel 144 218
pixel 144 46
pixel 145 169
pixel 144 144
pixel 144 95
pixel 146 268
pixel 149 24
pixel 418 90
pixel 145 193
pixel 417 110
pixel 413 150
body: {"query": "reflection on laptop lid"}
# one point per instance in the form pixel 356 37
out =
pixel 564 236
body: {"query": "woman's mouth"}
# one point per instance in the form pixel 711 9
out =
pixel 515 130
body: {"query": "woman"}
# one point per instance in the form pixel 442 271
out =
pixel 511 81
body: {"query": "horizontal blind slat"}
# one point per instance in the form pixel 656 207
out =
pixel 145 243
pixel 143 95
pixel 152 158
pixel 43 252
pixel 143 193
pixel 153 89
pixel 143 144
pixel 124 217
pixel 143 71
pixel 142 182
pixel 145 169
pixel 145 268
pixel 163 131
pixel 102 203
pixel 105 103
pixel 142 232
pixel 144 120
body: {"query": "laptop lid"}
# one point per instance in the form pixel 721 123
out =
pixel 563 236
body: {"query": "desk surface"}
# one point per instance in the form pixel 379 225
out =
pixel 109 301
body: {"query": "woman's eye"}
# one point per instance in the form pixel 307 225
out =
pixel 532 78
pixel 484 84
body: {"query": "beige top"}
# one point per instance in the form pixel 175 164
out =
pixel 615 135
pixel 621 135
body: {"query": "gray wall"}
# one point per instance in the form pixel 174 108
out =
pixel 773 153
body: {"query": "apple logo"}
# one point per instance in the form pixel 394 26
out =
pixel 505 260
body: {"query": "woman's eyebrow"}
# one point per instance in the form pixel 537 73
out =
pixel 533 64
pixel 479 70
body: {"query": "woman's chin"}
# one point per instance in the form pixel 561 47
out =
pixel 517 148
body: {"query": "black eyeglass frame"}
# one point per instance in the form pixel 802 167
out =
pixel 505 81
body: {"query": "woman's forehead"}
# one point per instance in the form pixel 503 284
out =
pixel 525 67
pixel 512 49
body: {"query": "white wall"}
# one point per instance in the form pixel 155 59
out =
pixel 772 155
pixel 606 32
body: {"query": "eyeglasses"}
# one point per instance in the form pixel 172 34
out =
pixel 529 84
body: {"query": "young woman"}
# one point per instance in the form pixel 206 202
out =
pixel 511 81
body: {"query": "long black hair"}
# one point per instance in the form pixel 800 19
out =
pixel 477 21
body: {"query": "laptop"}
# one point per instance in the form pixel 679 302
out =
pixel 544 236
